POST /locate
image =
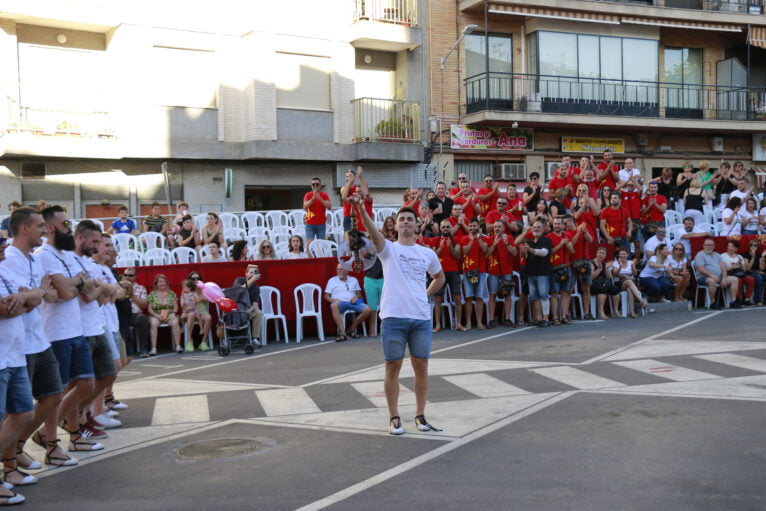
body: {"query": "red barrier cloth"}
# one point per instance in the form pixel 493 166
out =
pixel 721 241
pixel 284 275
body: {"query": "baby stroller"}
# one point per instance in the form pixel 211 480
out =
pixel 236 324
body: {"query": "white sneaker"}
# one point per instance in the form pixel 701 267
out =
pixel 107 422
pixel 112 414
pixel 116 405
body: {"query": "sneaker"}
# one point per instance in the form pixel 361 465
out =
pixel 189 347
pixel 113 405
pixel 88 430
pixel 395 427
pixel 543 324
pixel 106 422
pixel 204 347
pixel 144 355
pixel 736 304
pixel 179 349
pixel 423 425
pixel 152 352
pixel 665 300
pixel 113 413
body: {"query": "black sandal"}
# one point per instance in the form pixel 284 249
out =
pixel 423 425
pixel 26 479
pixel 57 461
pixel 341 338
pixel 354 335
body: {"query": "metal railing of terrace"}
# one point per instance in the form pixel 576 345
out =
pixel 726 6
pixel 42 121
pixel 386 120
pixel 402 12
pixel 573 95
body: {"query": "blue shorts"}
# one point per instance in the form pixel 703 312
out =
pixel 115 345
pixel 396 333
pixel 372 290
pixel 493 282
pixel 474 290
pixel 538 287
pixel 75 362
pixel 346 223
pixel 557 286
pixel 702 281
pixel 15 390
pixel 357 306
pixel 316 231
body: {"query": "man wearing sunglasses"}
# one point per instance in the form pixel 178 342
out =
pixel 533 192
pixel 456 190
pixel 488 195
pixel 138 302
pixel 316 203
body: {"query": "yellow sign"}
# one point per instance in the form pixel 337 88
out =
pixel 592 145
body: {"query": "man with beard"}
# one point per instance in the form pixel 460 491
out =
pixel 501 250
pixel 469 200
pixel 561 274
pixel 474 273
pixel 448 251
pixel 27 225
pixel 608 172
pixel 458 221
pixel 441 205
pixel 63 327
pixel 616 225
pixel 87 242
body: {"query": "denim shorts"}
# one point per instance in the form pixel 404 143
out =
pixel 316 231
pixel 372 290
pixel 556 286
pixel 358 306
pixel 538 287
pixel 702 281
pixel 115 345
pixel 474 290
pixel 396 333
pixel 493 282
pixel 15 390
pixel 101 352
pixel 346 223
pixel 75 362
pixel 43 371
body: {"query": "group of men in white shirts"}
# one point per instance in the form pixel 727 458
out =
pixel 59 343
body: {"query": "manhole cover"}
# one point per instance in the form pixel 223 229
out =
pixel 219 448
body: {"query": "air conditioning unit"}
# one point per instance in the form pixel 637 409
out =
pixel 512 171
pixel 550 169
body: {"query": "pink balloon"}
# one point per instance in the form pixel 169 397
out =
pixel 210 290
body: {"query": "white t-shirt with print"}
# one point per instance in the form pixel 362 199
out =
pixel 90 313
pixel 28 272
pixel 342 290
pixel 109 310
pixel 404 288
pixel 734 228
pixel 11 329
pixel 62 319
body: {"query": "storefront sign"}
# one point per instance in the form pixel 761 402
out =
pixel 592 145
pixel 491 137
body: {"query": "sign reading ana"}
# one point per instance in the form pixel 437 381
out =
pixel 592 145
pixel 491 137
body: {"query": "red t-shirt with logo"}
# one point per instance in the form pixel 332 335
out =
pixel 490 204
pixel 447 260
pixel 581 248
pixel 556 183
pixel 654 214
pixel 500 261
pixel 616 221
pixel 368 208
pixel 468 206
pixel 346 205
pixel 609 179
pixel 316 214
pixel 474 258
pixel 461 230
pixel 559 257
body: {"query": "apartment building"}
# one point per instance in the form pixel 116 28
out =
pixel 108 103
pixel 661 81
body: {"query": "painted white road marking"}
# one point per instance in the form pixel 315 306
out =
pixel 732 359
pixel 136 389
pixel 660 348
pixel 668 371
pixel 286 401
pixel 178 410
pixel 576 378
pixel 484 385
pixel 747 388
pixel 373 391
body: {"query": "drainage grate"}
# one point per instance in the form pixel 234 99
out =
pixel 220 448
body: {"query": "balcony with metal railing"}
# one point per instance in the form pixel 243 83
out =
pixel 727 6
pixel 595 96
pixel 42 121
pixel 401 12
pixel 386 120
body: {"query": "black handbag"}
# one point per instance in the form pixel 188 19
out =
pixel 472 276
pixel 561 273
pixel 506 287
pixel 581 267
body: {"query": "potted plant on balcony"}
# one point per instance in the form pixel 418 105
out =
pixel 758 106
pixel 392 130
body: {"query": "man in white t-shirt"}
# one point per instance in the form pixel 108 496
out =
pixel 343 294
pixel 742 190
pixel 688 231
pixel 651 244
pixel 405 310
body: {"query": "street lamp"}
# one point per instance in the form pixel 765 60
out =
pixel 466 30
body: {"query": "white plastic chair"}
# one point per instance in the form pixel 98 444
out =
pixel 125 241
pixel 257 233
pixel 279 233
pixel 204 252
pixel 252 219
pixel 308 304
pixel 152 240
pixel 447 306
pixel 277 219
pixel 349 312
pixel 99 223
pixel 295 216
pixel 708 227
pixel 232 234
pixel 323 248
pixel 157 257
pixel 229 221
pixel 576 296
pixel 200 220
pixel 671 231
pixel 673 217
pixel 128 257
pixel 270 311
pixel 184 255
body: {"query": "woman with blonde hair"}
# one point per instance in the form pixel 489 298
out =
pixel 678 271
pixel 266 251
pixel 213 231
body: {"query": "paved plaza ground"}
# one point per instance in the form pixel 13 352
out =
pixel 663 412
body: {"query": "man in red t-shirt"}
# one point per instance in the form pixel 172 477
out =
pixel 582 242
pixel 474 246
pixel 469 200
pixel 316 203
pixel 607 172
pixel 347 192
pixel 562 179
pixel 616 225
pixel 500 214
pixel 455 190
pixel 516 207
pixel 449 253
pixel 488 195
pixel 501 250
pixel 653 207
pixel 561 275
pixel 458 221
